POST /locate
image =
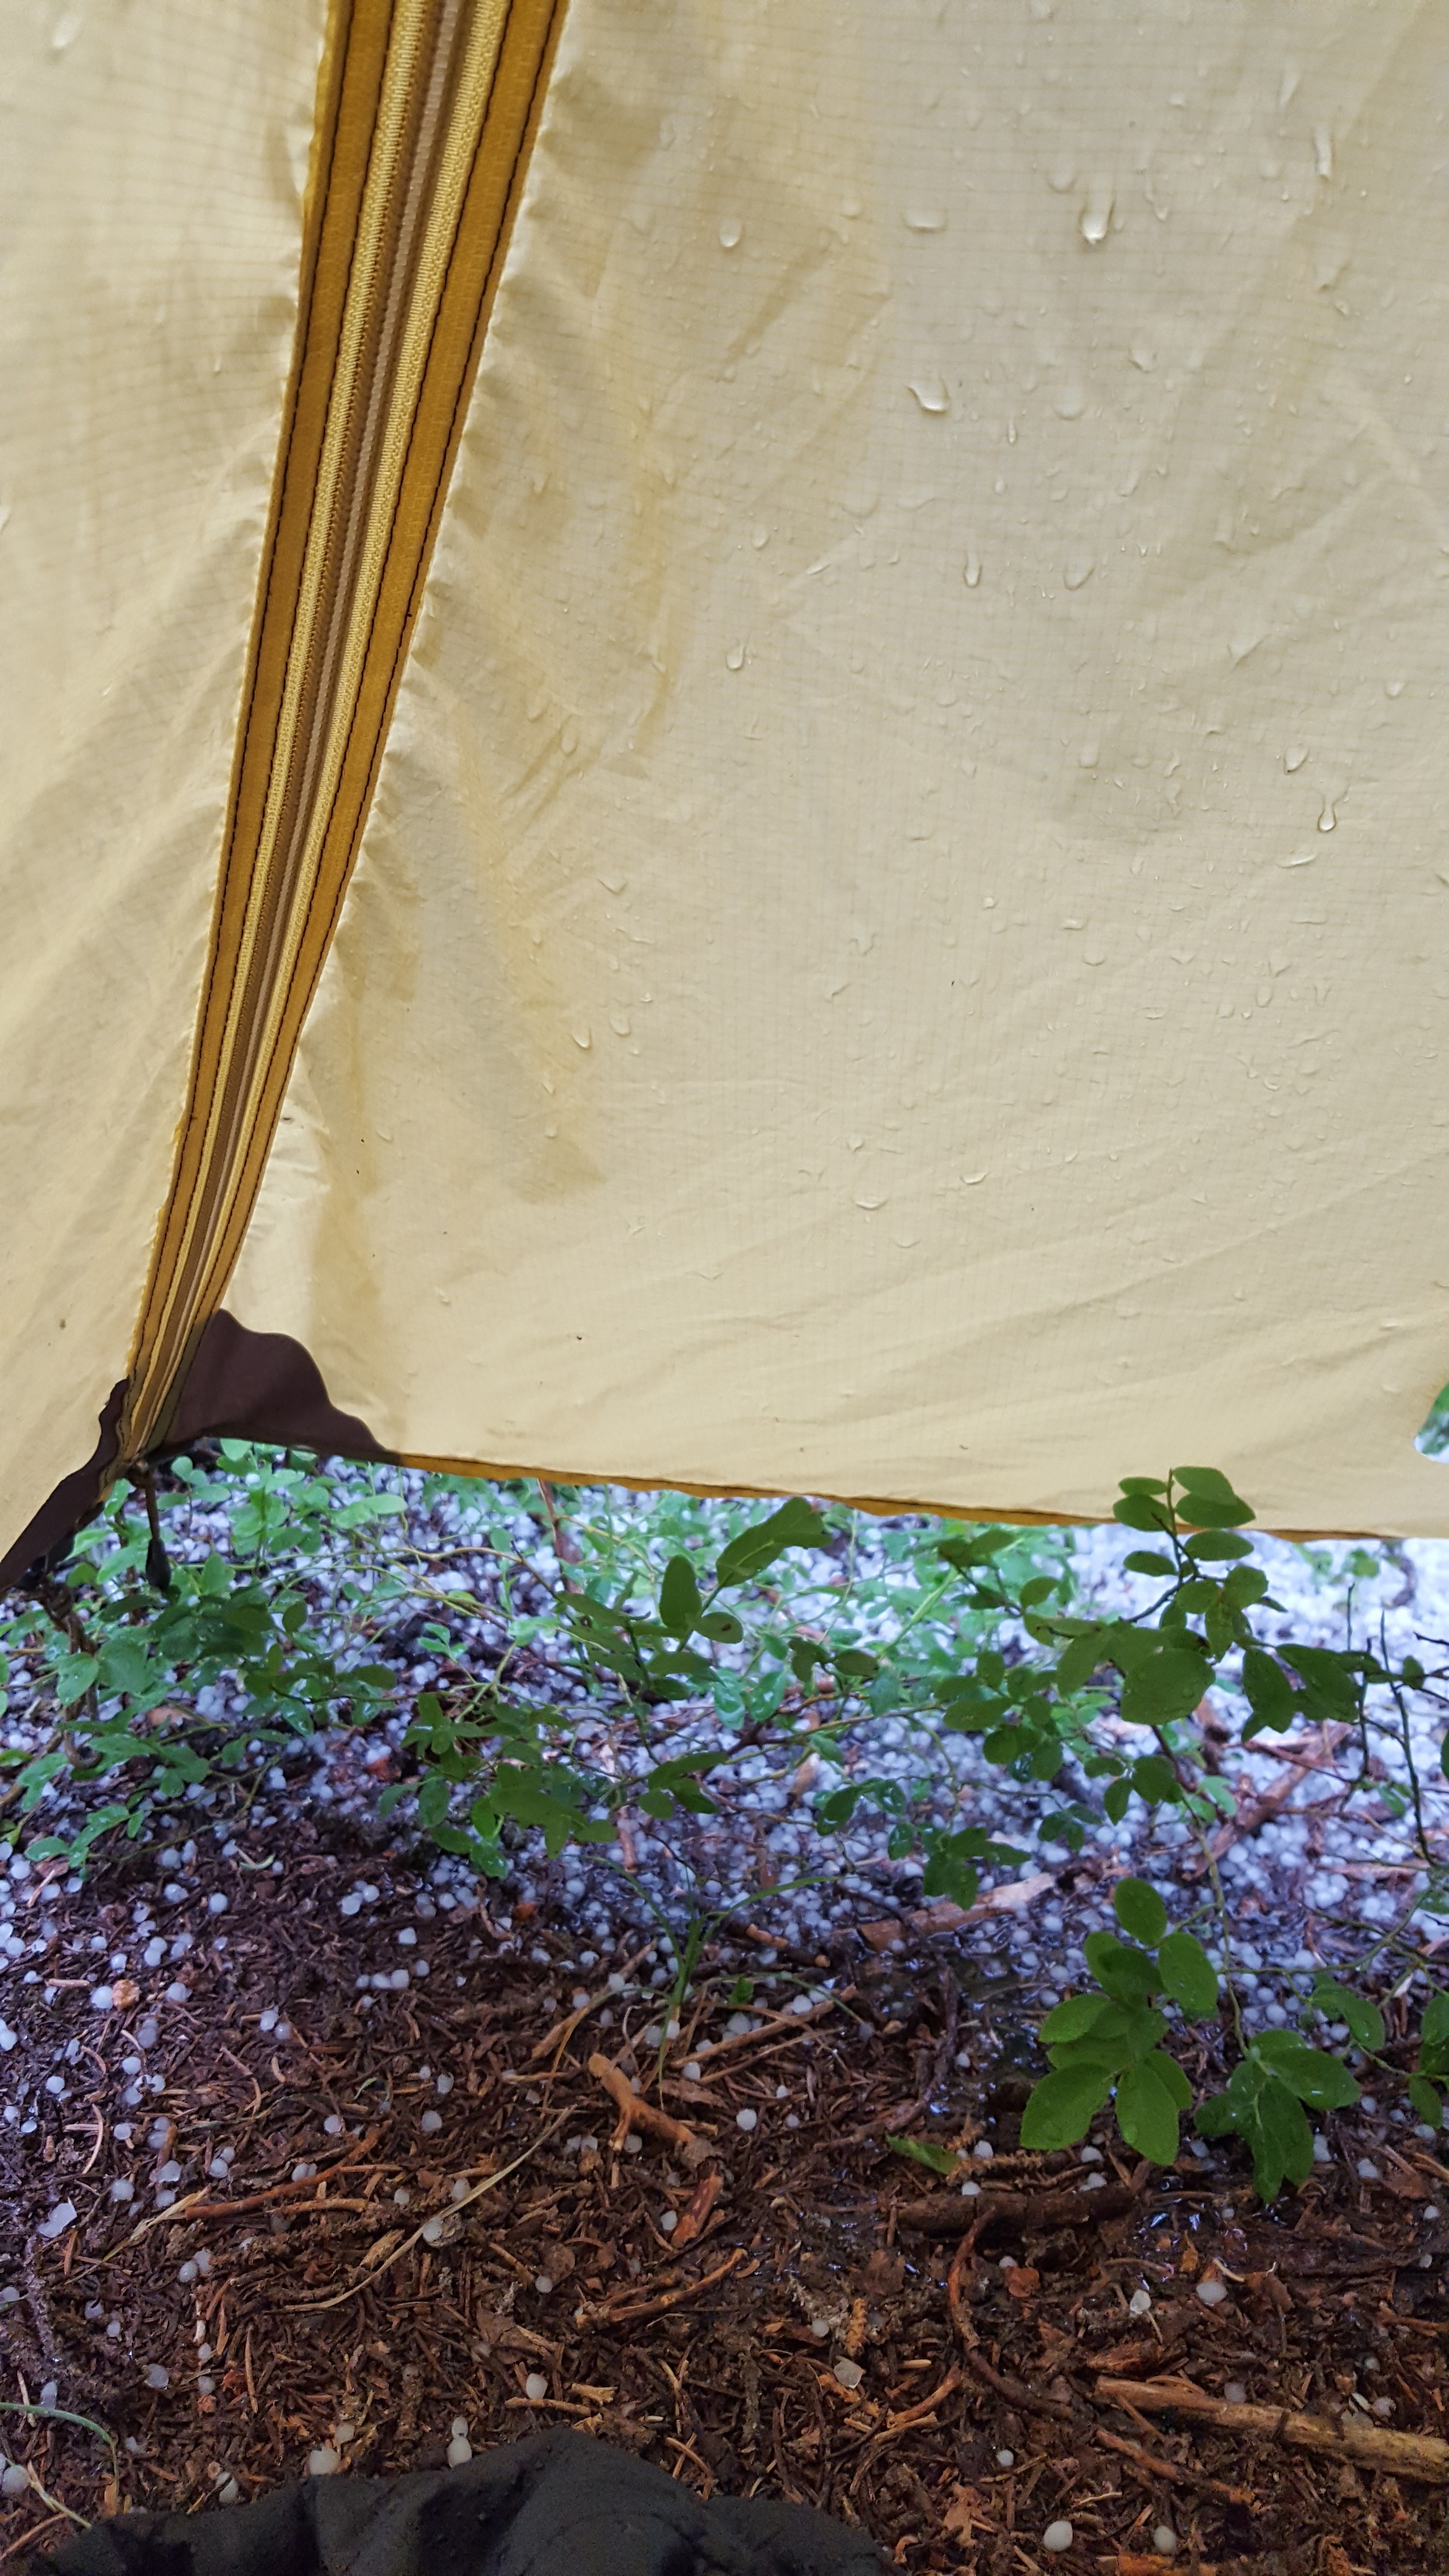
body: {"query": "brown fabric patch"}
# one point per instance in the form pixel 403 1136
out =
pixel 72 1502
pixel 240 1386
pixel 263 1386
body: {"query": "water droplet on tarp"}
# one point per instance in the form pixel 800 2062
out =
pixel 582 1038
pixel 731 233
pixel 1089 755
pixel 1323 152
pixel 1062 175
pixel 1070 403
pixel 926 219
pixel 65 31
pixel 869 1204
pixel 735 658
pixel 621 1024
pixel 1096 217
pixel 930 393
pixel 1328 819
pixel 1077 569
pixel 759 537
pixel 1294 757
pixel 971 569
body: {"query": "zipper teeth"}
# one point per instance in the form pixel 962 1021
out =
pixel 431 104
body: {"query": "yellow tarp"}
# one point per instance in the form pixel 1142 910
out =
pixel 898 949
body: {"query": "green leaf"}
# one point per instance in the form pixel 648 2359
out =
pixel 1279 2138
pixel 1142 1512
pixel 1267 1689
pixel 1215 1547
pixel 679 1598
pixel 720 1626
pixel 1340 2003
pixel 1078 1661
pixel 1215 2117
pixel 853 1664
pixel 1142 1561
pixel 1140 1911
pixel 1434 2025
pixel 1188 1975
pixel 1074 2018
pixel 1327 1679
pixel 1205 1480
pixel 795 1524
pixel 1426 2101
pixel 1209 1499
pixel 1170 2074
pixel 1165 1686
pixel 1061 2108
pixel 1311 2073
pixel 926 2152
pixel 1154 1779
pixel 1244 1586
pixel 1147 2111
pixel 1116 1799
pixel 1129 1975
pixel 1142 1484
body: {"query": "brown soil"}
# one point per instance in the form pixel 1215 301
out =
pixel 802 2259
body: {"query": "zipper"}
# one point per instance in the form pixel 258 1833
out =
pixel 426 114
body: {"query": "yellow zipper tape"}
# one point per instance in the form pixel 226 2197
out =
pixel 426 115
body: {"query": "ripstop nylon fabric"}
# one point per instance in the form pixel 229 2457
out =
pixel 151 189
pixel 898 949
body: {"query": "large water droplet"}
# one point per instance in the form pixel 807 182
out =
pixel 868 1203
pixel 731 233
pixel 1089 755
pixel 926 219
pixel 1097 213
pixel 65 31
pixel 583 1038
pixel 1328 820
pixel 1077 569
pixel 620 1023
pixel 1062 175
pixel 1323 151
pixel 930 393
pixel 1294 757
pixel 971 570
pixel 1070 403
pixel 735 658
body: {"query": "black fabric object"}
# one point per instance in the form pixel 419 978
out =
pixel 556 2504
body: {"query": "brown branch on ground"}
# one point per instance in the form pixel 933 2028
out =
pixel 634 2111
pixel 1370 2446
pixel 1014 2390
pixel 668 2299
pixel 1152 2465
pixel 945 2214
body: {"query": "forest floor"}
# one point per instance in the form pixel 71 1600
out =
pixel 290 2210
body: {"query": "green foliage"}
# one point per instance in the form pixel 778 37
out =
pixel 717 1633
pixel 1107 2044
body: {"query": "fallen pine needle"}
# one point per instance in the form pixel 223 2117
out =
pixel 196 2205
pixel 1369 2446
pixel 372 2272
pixel 667 2299
pixel 1152 2465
